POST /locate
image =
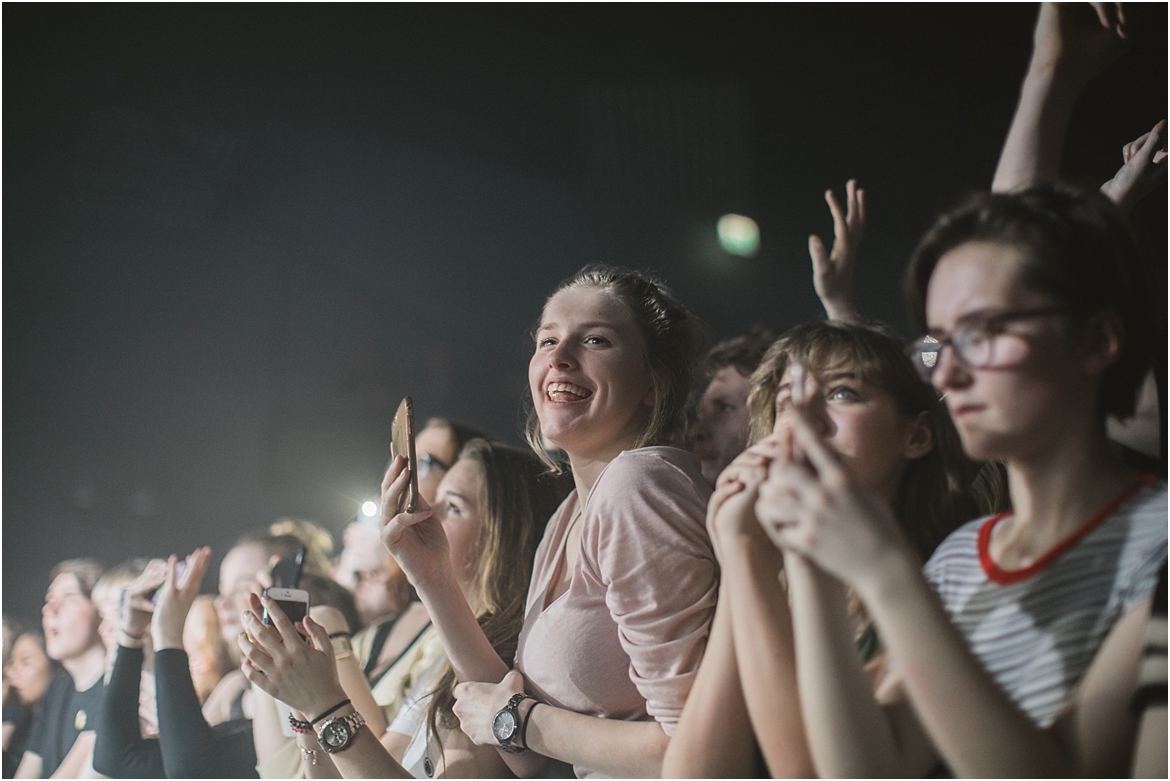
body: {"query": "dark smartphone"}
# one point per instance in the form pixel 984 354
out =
pixel 293 601
pixel 402 444
pixel 286 573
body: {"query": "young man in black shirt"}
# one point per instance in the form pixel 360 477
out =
pixel 61 736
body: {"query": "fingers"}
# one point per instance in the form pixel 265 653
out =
pixel 818 253
pixel 460 690
pixel 319 635
pixel 822 458
pixel 859 222
pixel 192 577
pixel 393 472
pixel 840 225
pixel 278 620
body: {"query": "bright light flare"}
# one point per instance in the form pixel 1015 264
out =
pixel 739 235
pixel 369 509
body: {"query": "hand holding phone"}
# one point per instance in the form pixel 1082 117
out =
pixel 294 602
pixel 402 444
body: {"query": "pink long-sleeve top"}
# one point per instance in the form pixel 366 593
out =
pixel 625 640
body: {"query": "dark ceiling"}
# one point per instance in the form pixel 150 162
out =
pixel 235 235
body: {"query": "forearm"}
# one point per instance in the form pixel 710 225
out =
pixel 468 649
pixel 848 733
pixel 989 735
pixel 714 734
pixel 357 688
pixel 765 653
pixel 1031 153
pixel 629 749
pixel 120 751
pixel 364 757
pixel 75 760
pixel 267 730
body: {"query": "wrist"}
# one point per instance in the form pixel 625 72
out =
pixel 890 573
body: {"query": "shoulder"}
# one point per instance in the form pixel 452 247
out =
pixel 959 549
pixel 650 469
pixel 645 498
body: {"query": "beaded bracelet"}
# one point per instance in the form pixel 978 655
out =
pixel 299 726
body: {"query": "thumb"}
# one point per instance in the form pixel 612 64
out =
pixel 816 250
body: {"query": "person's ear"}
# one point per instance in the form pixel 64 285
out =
pixel 648 399
pixel 1105 333
pixel 921 437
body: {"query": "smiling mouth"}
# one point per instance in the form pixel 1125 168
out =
pixel 566 392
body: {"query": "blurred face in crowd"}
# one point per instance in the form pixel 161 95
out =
pixel 723 422
pixel 29 671
pixel 861 421
pixel 437 449
pixel 590 386
pixel 237 579
pixel 70 620
pixel 457 506
pixel 1037 382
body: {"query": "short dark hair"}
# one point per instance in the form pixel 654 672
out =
pixel 1078 249
pixel 87 571
pixel 743 352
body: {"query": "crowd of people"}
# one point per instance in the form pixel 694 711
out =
pixel 810 551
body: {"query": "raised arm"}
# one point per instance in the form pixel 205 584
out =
pixel 120 751
pixel 1073 43
pixel 419 544
pixel 833 270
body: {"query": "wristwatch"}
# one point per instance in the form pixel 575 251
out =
pixel 336 733
pixel 342 646
pixel 506 724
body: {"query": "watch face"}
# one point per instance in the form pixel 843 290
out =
pixel 334 735
pixel 504 726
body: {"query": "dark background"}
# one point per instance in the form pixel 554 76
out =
pixel 235 236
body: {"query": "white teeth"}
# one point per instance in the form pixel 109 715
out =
pixel 564 387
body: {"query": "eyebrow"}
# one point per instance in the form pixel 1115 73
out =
pixel 457 496
pixel 582 326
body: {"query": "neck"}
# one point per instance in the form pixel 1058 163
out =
pixel 1054 491
pixel 86 667
pixel 587 466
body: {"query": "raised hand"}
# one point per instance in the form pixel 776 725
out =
pixel 1079 39
pixel 813 507
pixel 299 672
pixel 416 540
pixel 1143 170
pixel 833 270
pixel 175 599
pixel 731 510
pixel 137 608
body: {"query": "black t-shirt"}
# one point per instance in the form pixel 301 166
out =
pixel 64 714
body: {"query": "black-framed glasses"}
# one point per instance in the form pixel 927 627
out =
pixel 974 341
pixel 427 463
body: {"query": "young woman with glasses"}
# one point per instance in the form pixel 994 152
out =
pixel 1037 329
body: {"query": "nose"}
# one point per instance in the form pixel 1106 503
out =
pixel 949 372
pixel 562 355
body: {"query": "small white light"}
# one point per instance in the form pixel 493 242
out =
pixel 369 509
pixel 739 235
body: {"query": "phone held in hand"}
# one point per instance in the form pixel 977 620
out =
pixel 286 573
pixel 293 601
pixel 402 444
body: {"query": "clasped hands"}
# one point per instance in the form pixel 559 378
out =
pixel 794 488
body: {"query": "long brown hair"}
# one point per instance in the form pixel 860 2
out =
pixel 672 344
pixel 940 490
pixel 516 498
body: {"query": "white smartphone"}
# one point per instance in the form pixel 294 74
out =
pixel 293 601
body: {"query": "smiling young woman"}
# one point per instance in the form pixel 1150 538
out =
pixel 624 581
